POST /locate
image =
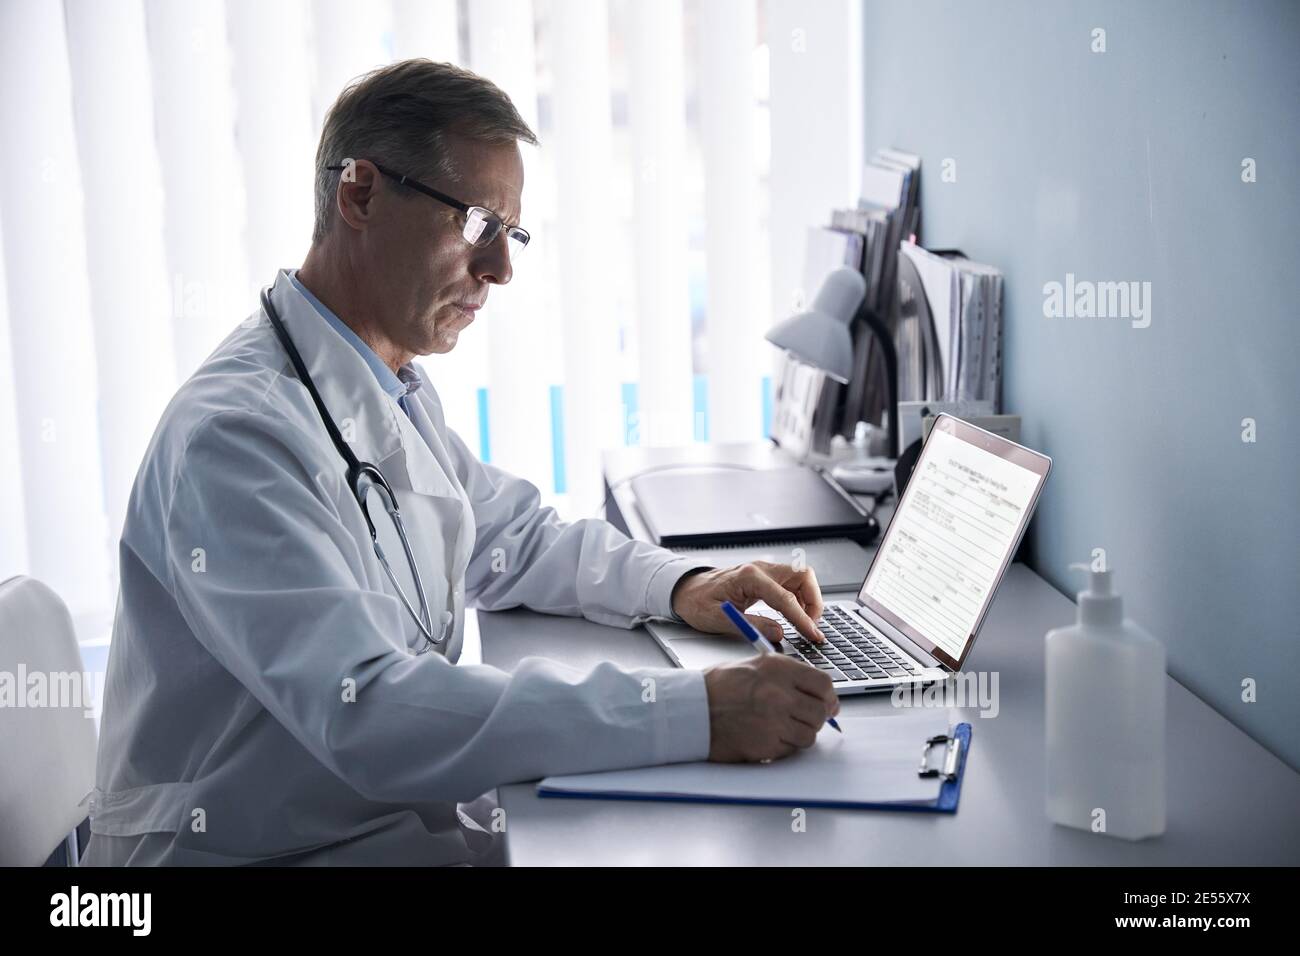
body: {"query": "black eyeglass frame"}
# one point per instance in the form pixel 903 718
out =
pixel 517 233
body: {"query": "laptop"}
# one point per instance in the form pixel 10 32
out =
pixel 731 506
pixel 930 584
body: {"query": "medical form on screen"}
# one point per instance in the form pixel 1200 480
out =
pixel 958 521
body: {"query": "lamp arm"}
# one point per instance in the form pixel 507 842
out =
pixel 890 355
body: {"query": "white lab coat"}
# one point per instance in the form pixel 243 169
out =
pixel 263 700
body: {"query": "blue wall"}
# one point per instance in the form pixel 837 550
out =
pixel 1126 165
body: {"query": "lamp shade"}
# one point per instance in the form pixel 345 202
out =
pixel 820 337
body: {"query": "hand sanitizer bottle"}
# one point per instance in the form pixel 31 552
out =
pixel 1105 720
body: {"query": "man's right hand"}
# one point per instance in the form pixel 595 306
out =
pixel 766 707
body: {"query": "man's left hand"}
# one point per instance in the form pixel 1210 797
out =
pixel 697 599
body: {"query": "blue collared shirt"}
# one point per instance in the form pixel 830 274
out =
pixel 398 385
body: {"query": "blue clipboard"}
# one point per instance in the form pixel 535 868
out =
pixel 953 768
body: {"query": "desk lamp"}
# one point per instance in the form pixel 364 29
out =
pixel 821 338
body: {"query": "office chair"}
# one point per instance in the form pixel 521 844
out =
pixel 47 752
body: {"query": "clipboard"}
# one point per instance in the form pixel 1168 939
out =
pixel 818 783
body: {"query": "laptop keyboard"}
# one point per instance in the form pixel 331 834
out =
pixel 851 652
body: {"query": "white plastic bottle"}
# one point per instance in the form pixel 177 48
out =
pixel 1105 720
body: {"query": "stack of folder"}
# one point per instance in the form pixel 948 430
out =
pixel 944 310
pixel 866 238
pixel 888 212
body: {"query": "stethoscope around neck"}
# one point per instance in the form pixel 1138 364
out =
pixel 363 478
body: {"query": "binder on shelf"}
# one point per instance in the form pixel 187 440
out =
pixel 890 196
pixel 948 327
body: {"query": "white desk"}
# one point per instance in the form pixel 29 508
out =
pixel 1229 800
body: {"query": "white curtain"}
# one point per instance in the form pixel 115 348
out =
pixel 56 458
pixel 157 170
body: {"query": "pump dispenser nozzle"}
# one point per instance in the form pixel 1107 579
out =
pixel 1099 606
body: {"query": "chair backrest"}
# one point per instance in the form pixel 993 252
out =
pixel 47 739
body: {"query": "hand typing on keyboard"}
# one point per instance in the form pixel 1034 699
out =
pixel 794 594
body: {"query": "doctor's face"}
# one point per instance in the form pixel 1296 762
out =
pixel 433 280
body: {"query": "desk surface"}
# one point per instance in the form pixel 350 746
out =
pixel 1229 800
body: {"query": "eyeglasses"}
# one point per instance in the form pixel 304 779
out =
pixel 482 225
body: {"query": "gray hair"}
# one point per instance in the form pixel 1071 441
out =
pixel 401 115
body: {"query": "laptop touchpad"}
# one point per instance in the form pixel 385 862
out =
pixel 696 650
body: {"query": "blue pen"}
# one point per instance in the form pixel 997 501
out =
pixel 751 634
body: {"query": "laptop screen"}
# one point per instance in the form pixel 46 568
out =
pixel 952 536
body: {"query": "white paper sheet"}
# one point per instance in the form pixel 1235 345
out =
pixel 875 760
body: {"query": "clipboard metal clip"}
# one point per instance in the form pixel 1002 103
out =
pixel 951 753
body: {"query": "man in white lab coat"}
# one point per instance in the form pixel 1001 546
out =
pixel 270 698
